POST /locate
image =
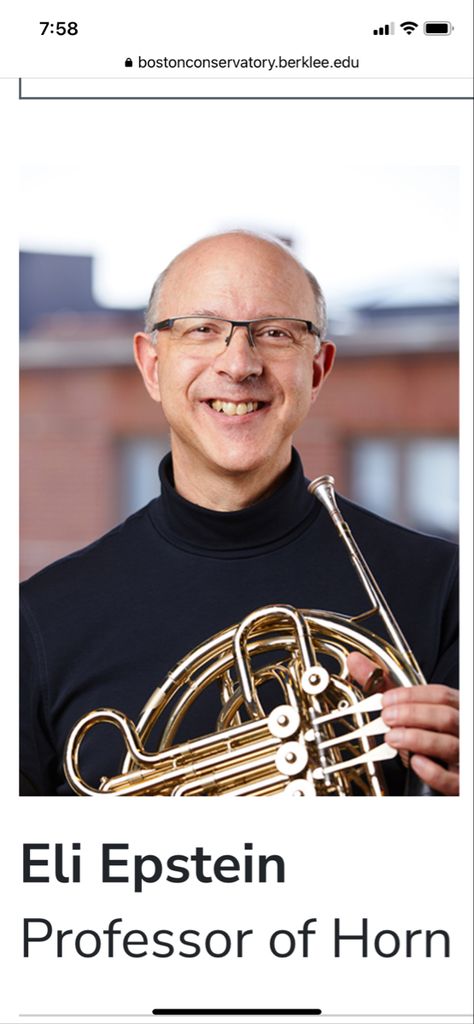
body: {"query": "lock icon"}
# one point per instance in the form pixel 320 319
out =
pixel 129 62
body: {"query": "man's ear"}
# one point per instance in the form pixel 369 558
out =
pixel 322 366
pixel 146 358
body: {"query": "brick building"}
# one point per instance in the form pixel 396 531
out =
pixel 385 424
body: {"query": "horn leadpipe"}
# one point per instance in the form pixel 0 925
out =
pixel 323 489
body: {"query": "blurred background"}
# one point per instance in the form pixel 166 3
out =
pixel 382 242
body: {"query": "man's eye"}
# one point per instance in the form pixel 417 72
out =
pixel 274 333
pixel 201 329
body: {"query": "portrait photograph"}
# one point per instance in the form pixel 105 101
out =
pixel 209 322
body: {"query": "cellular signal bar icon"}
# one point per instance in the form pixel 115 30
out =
pixel 385 30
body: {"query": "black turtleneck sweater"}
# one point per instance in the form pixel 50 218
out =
pixel 103 626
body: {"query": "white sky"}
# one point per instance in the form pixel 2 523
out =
pixel 133 183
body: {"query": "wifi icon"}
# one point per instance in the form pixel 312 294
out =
pixel 409 26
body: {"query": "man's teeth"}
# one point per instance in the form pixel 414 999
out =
pixel 234 408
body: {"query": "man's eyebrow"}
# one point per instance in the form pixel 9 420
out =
pixel 207 312
pixel 261 316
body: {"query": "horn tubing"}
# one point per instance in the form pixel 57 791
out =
pixel 323 489
pixel 266 615
pixel 243 758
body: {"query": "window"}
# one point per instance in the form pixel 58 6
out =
pixel 412 481
pixel 139 481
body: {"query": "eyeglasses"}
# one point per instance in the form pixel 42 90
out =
pixel 208 334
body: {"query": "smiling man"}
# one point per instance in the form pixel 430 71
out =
pixel 233 394
pixel 234 349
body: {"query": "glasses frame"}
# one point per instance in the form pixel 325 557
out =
pixel 166 325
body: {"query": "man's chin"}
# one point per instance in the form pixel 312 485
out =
pixel 238 466
pixel 231 457
pixel 243 461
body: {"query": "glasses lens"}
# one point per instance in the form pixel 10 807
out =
pixel 273 335
pixel 200 331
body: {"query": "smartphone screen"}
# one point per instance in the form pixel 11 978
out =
pixel 245 265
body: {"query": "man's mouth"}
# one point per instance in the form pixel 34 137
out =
pixel 234 408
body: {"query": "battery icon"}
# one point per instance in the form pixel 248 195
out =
pixel 437 28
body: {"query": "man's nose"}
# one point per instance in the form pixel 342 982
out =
pixel 240 357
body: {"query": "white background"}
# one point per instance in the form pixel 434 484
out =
pixel 142 188
pixel 402 864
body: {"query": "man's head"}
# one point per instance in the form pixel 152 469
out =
pixel 320 303
pixel 235 276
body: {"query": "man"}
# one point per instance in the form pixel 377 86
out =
pixel 234 528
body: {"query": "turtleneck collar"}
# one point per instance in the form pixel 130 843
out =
pixel 268 523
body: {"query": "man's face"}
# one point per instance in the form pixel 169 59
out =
pixel 237 278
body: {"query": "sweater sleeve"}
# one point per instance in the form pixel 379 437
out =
pixel 446 669
pixel 38 757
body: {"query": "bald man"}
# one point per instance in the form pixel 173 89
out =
pixel 235 351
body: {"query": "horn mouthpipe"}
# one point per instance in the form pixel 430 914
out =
pixel 323 489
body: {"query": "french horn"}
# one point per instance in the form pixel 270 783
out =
pixel 324 738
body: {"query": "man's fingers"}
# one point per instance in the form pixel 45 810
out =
pixel 443 780
pixel 424 715
pixel 367 673
pixel 422 741
pixel 423 720
pixel 435 693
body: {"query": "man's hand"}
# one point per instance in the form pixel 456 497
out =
pixel 423 720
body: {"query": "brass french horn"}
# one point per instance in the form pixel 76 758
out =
pixel 325 738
